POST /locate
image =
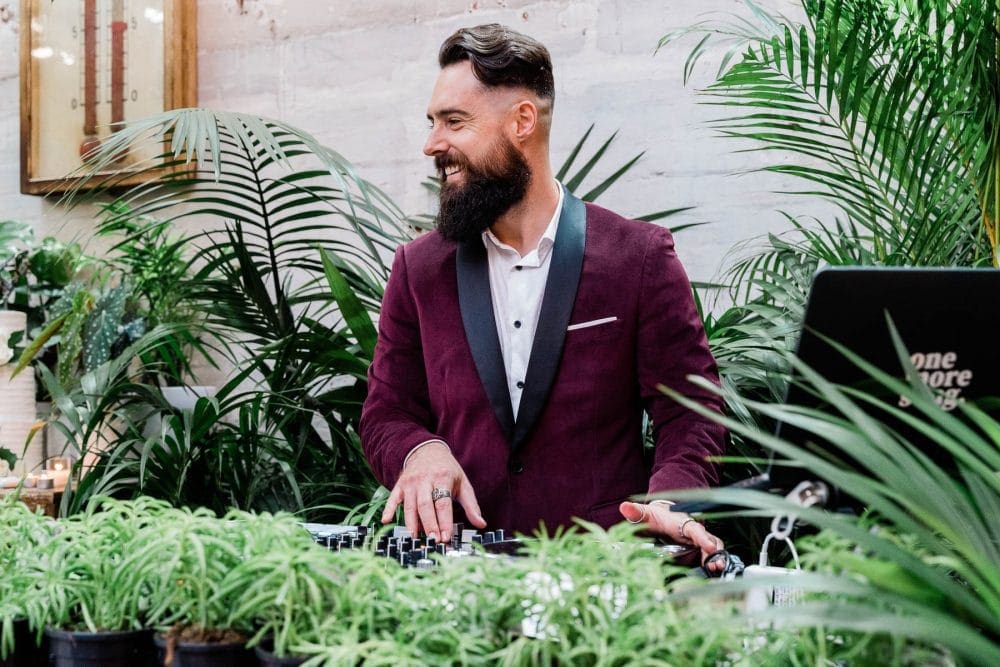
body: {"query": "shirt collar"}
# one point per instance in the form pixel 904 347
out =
pixel 548 236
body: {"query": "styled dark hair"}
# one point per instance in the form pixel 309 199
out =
pixel 501 57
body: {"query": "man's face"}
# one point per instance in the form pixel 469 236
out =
pixel 482 173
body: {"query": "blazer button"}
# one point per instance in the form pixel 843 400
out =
pixel 516 466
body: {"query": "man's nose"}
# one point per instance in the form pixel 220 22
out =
pixel 435 144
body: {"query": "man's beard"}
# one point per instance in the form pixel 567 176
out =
pixel 487 193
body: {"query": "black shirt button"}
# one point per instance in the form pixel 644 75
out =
pixel 516 467
pixel 520 384
pixel 517 324
pixel 518 267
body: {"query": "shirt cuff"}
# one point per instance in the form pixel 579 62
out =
pixel 433 441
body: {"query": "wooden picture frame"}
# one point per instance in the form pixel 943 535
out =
pixel 87 65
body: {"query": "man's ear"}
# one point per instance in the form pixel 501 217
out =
pixel 524 120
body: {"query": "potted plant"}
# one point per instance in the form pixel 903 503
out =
pixel 289 593
pixel 193 594
pixel 29 274
pixel 23 533
pixel 93 584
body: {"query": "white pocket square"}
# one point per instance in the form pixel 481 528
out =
pixel 590 323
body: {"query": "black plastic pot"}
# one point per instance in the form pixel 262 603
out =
pixel 205 655
pixel 129 648
pixel 268 659
pixel 26 652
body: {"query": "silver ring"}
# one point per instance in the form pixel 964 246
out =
pixel 642 517
pixel 684 523
pixel 438 493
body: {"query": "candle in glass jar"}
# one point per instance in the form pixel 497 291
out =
pixel 58 471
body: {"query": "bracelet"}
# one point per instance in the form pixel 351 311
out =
pixel 684 523
pixel 433 441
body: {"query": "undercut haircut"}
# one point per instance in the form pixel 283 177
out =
pixel 501 57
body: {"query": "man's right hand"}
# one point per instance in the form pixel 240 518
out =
pixel 428 468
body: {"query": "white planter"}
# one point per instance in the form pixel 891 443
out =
pixel 17 400
pixel 180 398
pixel 184 398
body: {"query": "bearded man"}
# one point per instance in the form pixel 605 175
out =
pixel 520 343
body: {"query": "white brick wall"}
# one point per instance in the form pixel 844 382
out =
pixel 357 74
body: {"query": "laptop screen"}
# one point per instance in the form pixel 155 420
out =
pixel 947 318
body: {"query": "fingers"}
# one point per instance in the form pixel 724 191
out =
pixel 392 504
pixel 410 516
pixel 701 538
pixel 707 543
pixel 633 512
pixel 421 512
pixel 467 498
pixel 677 526
pixel 426 513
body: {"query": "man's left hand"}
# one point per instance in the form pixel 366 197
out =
pixel 676 526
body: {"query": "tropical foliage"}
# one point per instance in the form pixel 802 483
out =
pixel 922 562
pixel 264 198
pixel 886 109
pixel 280 280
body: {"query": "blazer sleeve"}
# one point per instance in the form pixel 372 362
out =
pixel 672 345
pixel 396 415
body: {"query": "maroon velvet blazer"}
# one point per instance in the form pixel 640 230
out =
pixel 576 448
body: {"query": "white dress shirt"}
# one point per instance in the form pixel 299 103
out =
pixel 516 286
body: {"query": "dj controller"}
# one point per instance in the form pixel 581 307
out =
pixel 413 550
pixel 420 551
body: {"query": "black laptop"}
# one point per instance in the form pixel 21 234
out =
pixel 948 320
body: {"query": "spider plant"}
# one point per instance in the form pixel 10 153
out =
pixel 202 565
pixel 88 575
pixel 922 565
pixel 23 534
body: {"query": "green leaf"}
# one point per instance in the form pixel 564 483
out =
pixel 351 308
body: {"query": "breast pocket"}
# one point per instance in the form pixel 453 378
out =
pixel 593 330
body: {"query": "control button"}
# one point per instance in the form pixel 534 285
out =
pixel 517 324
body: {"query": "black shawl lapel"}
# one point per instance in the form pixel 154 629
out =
pixel 476 305
pixel 557 306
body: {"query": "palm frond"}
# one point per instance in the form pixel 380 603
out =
pixel 886 110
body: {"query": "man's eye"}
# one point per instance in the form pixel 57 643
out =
pixel 454 122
